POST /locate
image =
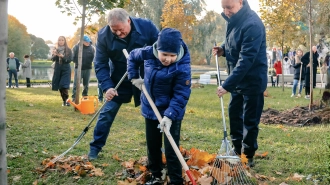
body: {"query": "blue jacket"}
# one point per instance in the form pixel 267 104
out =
pixel 245 52
pixel 168 86
pixel 17 63
pixel 143 33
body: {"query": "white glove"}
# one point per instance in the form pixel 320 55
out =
pixel 138 83
pixel 165 124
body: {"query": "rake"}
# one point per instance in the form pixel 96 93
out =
pixel 90 122
pixel 228 168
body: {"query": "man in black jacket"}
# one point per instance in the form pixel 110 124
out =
pixel 245 52
pixel 86 67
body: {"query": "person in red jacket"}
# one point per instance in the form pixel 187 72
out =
pixel 278 70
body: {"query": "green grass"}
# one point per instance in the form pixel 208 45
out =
pixel 38 127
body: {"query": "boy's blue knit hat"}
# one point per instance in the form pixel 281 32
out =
pixel 169 40
pixel 86 38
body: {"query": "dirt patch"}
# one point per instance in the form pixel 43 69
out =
pixel 298 116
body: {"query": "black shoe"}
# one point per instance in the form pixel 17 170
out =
pixel 155 181
pixel 63 104
pixel 250 162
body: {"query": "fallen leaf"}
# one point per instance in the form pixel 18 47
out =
pixel 16 178
pixel 297 177
pixel 126 182
pixel 205 180
pixel 115 157
pixel 263 155
pixel 98 172
pixel 283 183
pixel 35 182
pixel 143 168
pixel 105 165
pixel 261 177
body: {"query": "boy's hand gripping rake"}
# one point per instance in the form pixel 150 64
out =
pixel 90 122
pixel 227 167
pixel 168 135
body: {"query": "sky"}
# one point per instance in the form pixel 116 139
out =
pixel 43 19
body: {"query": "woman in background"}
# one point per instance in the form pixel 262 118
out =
pixel 62 56
pixel 26 66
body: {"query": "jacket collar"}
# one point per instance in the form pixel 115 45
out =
pixel 238 17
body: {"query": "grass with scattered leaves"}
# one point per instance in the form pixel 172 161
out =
pixel 38 127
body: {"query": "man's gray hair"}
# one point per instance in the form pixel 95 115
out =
pixel 11 53
pixel 117 15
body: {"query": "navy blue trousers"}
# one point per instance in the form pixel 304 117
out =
pixel 244 116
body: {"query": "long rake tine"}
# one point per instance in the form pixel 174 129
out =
pixel 91 121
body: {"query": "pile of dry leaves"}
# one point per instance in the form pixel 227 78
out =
pixel 298 116
pixel 135 172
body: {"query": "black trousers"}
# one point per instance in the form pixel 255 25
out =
pixel 154 145
pixel 64 94
pixel 244 116
pixel 307 90
pixel 28 83
pixel 273 82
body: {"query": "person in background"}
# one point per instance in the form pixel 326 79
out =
pixel 278 70
pixel 122 32
pixel 86 65
pixel 26 66
pixel 12 68
pixel 286 65
pixel 245 52
pixel 62 56
pixel 306 61
pixel 169 60
pixel 299 74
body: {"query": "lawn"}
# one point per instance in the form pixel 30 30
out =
pixel 38 127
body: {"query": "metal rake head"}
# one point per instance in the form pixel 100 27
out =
pixel 228 168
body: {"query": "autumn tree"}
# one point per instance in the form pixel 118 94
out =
pixel 149 9
pixel 84 9
pixel 207 31
pixel 39 49
pixel 3 75
pixel 18 39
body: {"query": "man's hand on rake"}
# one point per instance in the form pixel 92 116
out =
pixel 165 124
pixel 221 91
pixel 110 94
pixel 138 83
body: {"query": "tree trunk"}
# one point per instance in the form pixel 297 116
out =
pixel 82 30
pixel 3 75
pixel 310 55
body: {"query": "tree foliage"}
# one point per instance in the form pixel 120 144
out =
pixel 181 15
pixel 149 9
pixel 93 7
pixel 18 38
pixel 207 31
pixel 283 23
pixel 39 49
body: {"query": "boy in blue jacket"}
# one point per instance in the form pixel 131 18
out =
pixel 167 78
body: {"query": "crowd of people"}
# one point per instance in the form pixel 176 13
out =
pixel 298 64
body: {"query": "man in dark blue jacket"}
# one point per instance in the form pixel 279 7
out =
pixel 122 32
pixel 86 65
pixel 245 52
